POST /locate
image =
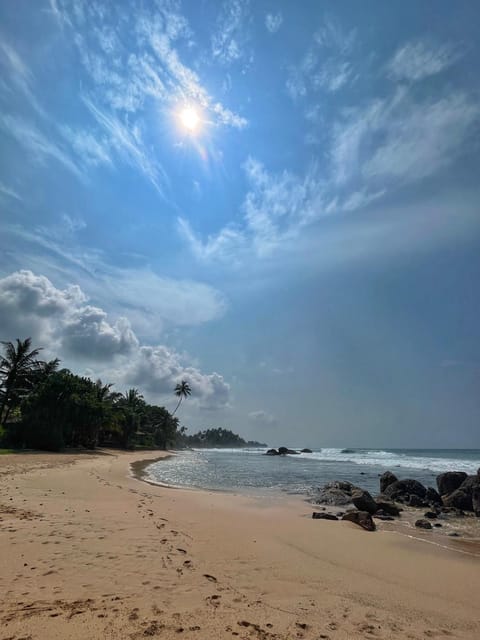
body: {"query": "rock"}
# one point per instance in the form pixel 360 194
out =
pixel 306 451
pixel 433 497
pixel 453 534
pixel 423 524
pixel 387 479
pixel 459 499
pixel 272 452
pixel 323 516
pixel 431 515
pixel 449 481
pixel 403 488
pixel 364 501
pixel 437 524
pixel 476 500
pixel 335 493
pixel 389 508
pixel 283 451
pixel 415 501
pixel 383 516
pixel 362 518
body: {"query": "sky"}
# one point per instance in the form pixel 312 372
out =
pixel 275 201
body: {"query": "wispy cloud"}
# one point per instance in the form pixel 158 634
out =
pixel 273 21
pixel 41 147
pixel 129 145
pixel 229 41
pixel 20 75
pixel 8 191
pixel 328 63
pixel 420 59
pixel 262 418
pixel 92 149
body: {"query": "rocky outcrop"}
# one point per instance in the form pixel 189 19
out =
pixel 364 501
pixel 402 490
pixel 317 515
pixel 306 451
pixel 476 500
pixel 462 497
pixel 433 497
pixel 423 524
pixel 272 452
pixel 387 479
pixel 387 507
pixel 450 481
pixel 283 451
pixel 362 518
pixel 335 493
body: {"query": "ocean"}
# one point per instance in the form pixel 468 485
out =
pixel 250 472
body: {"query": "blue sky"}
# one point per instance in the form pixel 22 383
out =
pixel 308 257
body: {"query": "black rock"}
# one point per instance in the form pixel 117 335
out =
pixel 402 488
pixel 431 515
pixel 364 501
pixel 415 501
pixel 387 479
pixel 453 534
pixel 388 507
pixel 476 500
pixel 306 451
pixel 383 516
pixel 272 452
pixel 283 451
pixel 362 518
pixel 335 493
pixel 449 481
pixel 433 497
pixel 423 524
pixel 437 524
pixel 323 516
pixel 459 499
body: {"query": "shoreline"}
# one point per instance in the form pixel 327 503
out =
pixel 86 550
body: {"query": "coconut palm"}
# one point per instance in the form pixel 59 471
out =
pixel 18 368
pixel 182 390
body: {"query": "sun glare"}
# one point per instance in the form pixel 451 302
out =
pixel 190 119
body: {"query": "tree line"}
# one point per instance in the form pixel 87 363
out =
pixel 45 407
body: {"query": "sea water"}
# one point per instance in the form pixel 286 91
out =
pixel 250 471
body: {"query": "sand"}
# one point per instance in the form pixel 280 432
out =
pixel 89 551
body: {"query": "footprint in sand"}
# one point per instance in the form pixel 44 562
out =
pixel 209 577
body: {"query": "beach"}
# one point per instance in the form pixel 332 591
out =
pixel 88 550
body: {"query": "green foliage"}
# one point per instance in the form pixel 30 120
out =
pixel 218 438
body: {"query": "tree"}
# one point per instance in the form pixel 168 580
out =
pixel 19 368
pixel 182 390
pixel 132 407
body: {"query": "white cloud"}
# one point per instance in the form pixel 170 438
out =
pixel 418 60
pixel 273 21
pixel 8 191
pixel 262 418
pixel 91 148
pixel 327 65
pixel 19 74
pixel 40 146
pixel 65 323
pixel 230 39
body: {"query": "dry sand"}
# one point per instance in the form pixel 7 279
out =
pixel 87 551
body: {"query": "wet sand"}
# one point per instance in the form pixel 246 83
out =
pixel 89 551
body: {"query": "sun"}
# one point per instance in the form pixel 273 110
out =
pixel 189 119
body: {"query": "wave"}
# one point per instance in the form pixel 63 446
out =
pixel 415 459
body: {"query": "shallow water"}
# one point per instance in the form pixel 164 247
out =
pixel 249 471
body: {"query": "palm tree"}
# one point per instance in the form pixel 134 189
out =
pixel 132 404
pixel 18 368
pixel 182 390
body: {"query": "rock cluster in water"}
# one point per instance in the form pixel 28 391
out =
pixel 283 451
pixel 457 493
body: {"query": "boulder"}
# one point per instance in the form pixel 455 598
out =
pixel 433 497
pixel 362 518
pixel 449 481
pixel 283 451
pixel 364 501
pixel 306 451
pixel 459 499
pixel 423 524
pixel 431 515
pixel 335 493
pixel 476 500
pixel 272 452
pixel 316 515
pixel 415 501
pixel 402 488
pixel 388 507
pixel 386 479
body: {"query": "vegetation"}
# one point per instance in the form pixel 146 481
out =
pixel 44 407
pixel 218 438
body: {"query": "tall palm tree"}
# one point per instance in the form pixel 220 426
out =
pixel 182 390
pixel 18 368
